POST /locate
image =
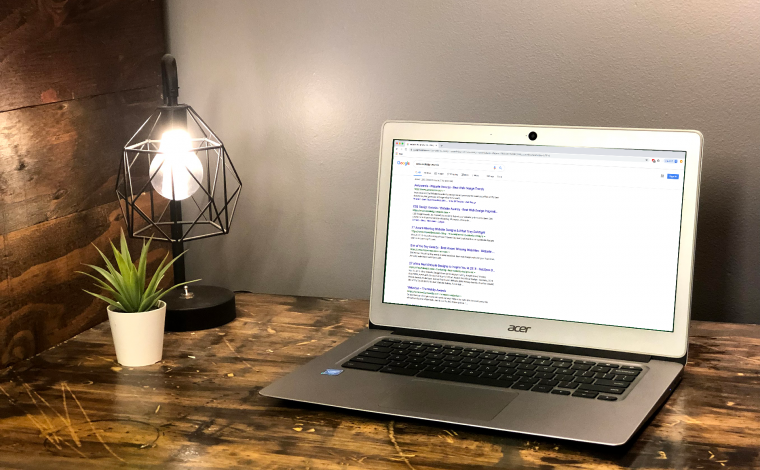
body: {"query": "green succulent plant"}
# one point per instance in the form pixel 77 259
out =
pixel 126 285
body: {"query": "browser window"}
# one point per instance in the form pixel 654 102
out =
pixel 574 234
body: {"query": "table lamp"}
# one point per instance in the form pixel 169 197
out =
pixel 177 183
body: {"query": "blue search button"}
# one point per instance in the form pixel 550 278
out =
pixel 672 176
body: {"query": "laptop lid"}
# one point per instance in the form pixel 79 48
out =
pixel 571 236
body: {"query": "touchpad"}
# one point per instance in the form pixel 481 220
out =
pixel 443 399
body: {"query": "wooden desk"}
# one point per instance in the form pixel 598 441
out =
pixel 73 407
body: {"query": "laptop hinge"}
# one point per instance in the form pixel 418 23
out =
pixel 621 356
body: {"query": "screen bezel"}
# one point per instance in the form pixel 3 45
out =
pixel 622 339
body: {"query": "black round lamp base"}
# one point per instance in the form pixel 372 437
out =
pixel 209 307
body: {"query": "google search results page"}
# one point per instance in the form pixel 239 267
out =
pixel 573 234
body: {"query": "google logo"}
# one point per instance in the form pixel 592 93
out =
pixel 399 162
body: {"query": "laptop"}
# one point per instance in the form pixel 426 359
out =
pixel 527 279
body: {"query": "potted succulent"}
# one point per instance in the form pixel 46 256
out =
pixel 135 310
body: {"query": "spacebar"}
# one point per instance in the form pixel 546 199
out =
pixel 465 379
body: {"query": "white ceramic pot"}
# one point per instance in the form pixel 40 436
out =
pixel 138 337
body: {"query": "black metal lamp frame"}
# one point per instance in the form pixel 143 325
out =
pixel 131 188
pixel 146 214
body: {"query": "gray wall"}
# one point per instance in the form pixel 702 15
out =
pixel 298 90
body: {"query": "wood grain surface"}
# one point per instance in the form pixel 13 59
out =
pixel 58 50
pixel 74 406
pixel 78 79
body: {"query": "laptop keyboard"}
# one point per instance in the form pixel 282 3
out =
pixel 544 374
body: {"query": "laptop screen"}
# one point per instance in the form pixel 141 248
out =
pixel 572 234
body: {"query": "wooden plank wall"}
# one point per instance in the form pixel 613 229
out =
pixel 77 78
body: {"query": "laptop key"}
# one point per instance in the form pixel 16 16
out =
pixel 392 340
pixel 565 378
pixel 525 373
pixel 417 366
pixel 585 394
pixel 398 370
pixel 522 386
pixel 602 388
pixel 631 373
pixel 375 354
pixel 550 383
pixel 379 349
pixel 542 388
pixel 568 385
pixel 583 380
pixel 582 367
pixel 370 360
pixel 625 378
pixel 560 392
pixel 544 375
pixel 528 380
pixel 362 366
pixel 471 373
pixel 613 383
pixel 435 369
pixel 517 354
pixel 600 369
pixel 588 363
pixel 606 398
pixel 599 375
pixel 525 367
pixel 451 371
pixel 608 364
pixel 630 368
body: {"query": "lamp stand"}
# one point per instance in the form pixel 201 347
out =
pixel 195 307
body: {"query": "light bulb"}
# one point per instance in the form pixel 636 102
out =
pixel 178 165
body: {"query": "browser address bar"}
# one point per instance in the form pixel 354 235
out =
pixel 454 165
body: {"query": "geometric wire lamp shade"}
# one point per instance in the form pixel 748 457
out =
pixel 181 162
pixel 177 183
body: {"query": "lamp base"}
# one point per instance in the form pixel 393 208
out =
pixel 207 307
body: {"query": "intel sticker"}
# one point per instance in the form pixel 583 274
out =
pixel 332 372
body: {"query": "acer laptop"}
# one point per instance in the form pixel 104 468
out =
pixel 528 279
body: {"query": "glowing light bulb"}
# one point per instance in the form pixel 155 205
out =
pixel 180 169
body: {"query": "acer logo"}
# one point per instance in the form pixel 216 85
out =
pixel 519 329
